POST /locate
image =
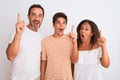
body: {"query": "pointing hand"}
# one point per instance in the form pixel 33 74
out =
pixel 72 35
pixel 101 40
pixel 19 25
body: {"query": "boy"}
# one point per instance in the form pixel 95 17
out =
pixel 58 51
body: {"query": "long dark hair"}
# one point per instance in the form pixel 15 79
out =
pixel 95 32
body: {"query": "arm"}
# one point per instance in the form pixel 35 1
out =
pixel 105 61
pixel 43 69
pixel 74 55
pixel 12 49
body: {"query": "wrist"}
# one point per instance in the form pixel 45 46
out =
pixel 74 43
pixel 103 46
pixel 18 35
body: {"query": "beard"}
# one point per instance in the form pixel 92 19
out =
pixel 35 25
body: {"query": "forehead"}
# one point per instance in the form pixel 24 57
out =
pixel 60 19
pixel 36 10
pixel 86 24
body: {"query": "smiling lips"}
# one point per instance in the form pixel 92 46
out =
pixel 61 29
pixel 36 22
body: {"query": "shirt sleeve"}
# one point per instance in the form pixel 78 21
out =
pixel 43 54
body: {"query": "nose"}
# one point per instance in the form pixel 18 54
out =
pixel 61 24
pixel 36 18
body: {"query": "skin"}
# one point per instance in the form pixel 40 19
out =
pixel 59 28
pixel 35 20
pixel 105 61
pixel 86 34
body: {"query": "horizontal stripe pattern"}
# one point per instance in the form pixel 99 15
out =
pixel 57 52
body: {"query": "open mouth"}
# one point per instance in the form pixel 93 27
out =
pixel 83 35
pixel 61 29
pixel 36 22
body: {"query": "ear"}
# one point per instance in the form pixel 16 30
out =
pixel 53 25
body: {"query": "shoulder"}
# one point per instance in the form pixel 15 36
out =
pixel 67 36
pixel 46 38
pixel 95 46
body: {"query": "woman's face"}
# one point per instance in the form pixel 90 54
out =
pixel 85 32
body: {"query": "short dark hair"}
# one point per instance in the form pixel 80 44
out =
pixel 59 14
pixel 36 6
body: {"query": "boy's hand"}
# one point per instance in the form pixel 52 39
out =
pixel 72 35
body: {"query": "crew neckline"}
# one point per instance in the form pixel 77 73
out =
pixel 31 30
pixel 89 50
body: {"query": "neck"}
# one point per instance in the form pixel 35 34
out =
pixel 57 35
pixel 86 45
pixel 32 28
pixel 86 42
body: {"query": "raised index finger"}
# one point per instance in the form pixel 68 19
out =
pixel 100 33
pixel 72 29
pixel 18 18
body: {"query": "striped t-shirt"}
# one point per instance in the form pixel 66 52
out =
pixel 57 52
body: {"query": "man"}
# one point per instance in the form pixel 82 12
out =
pixel 24 46
pixel 58 51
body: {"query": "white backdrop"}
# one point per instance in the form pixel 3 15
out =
pixel 105 13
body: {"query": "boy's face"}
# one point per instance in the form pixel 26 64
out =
pixel 59 26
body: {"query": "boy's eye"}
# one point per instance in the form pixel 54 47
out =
pixel 58 22
pixel 64 22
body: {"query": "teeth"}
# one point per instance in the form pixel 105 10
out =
pixel 36 22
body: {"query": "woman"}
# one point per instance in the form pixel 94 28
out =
pixel 92 52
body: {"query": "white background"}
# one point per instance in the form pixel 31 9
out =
pixel 105 13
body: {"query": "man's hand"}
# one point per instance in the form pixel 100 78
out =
pixel 19 25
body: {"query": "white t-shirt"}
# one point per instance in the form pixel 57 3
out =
pixel 26 65
pixel 88 65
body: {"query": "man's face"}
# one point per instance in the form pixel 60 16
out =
pixel 35 18
pixel 60 25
